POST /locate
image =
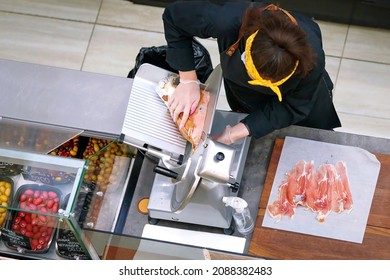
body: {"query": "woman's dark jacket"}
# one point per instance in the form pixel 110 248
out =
pixel 306 102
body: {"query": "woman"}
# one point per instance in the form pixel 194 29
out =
pixel 272 62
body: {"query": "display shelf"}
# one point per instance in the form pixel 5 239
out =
pixel 33 188
pixel 60 247
pixel 48 200
pixel 34 177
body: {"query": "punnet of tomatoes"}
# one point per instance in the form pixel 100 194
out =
pixel 37 218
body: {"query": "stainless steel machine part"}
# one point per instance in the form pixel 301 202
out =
pixel 148 119
pixel 149 122
pixel 203 204
pixel 210 173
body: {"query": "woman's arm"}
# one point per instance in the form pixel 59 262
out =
pixel 183 21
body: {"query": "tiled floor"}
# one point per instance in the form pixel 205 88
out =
pixel 104 36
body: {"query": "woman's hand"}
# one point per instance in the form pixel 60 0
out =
pixel 185 99
pixel 225 137
pixel 231 134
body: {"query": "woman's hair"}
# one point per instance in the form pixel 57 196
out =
pixel 278 45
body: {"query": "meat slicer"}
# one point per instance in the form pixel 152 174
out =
pixel 188 185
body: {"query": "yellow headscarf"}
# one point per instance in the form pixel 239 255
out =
pixel 252 71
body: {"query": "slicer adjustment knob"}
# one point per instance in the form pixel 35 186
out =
pixel 234 186
pixel 220 156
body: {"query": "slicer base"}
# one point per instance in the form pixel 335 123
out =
pixel 206 206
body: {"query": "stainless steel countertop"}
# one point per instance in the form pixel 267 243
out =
pixel 91 102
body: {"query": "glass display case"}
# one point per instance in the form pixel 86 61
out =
pixel 55 183
pixel 48 200
pixel 37 192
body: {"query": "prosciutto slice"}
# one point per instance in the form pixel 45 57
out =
pixel 322 191
pixel 282 206
pixel 344 202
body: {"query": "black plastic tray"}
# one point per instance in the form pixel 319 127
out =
pixel 35 221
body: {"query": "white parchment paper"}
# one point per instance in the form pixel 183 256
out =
pixel 363 170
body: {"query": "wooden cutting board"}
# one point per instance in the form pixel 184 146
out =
pixel 280 244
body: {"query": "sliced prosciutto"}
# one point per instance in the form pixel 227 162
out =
pixel 297 180
pixel 281 206
pixel 322 191
pixel 344 190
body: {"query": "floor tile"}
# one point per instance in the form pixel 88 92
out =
pixel 333 37
pixel 212 47
pixel 368 44
pixel 222 103
pixel 363 125
pixel 43 40
pixel 332 66
pixel 126 14
pixel 113 50
pixel 363 89
pixel 85 10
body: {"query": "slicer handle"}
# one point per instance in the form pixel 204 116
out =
pixel 234 186
pixel 165 172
